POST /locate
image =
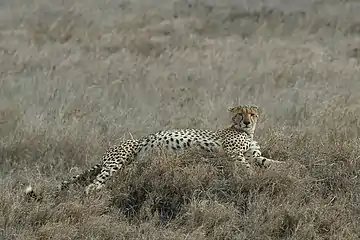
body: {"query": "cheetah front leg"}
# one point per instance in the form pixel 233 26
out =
pixel 239 157
pixel 253 154
pixel 235 151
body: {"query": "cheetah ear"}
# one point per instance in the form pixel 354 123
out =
pixel 232 109
pixel 256 109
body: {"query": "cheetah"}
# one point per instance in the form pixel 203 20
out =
pixel 236 142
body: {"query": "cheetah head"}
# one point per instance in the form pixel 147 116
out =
pixel 244 117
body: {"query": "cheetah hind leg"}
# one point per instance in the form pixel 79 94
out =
pixel 87 175
pixel 113 160
pixel 106 173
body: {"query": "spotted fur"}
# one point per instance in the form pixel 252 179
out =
pixel 235 141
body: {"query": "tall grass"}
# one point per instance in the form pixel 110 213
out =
pixel 79 76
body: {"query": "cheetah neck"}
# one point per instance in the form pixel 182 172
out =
pixel 249 132
pixel 240 130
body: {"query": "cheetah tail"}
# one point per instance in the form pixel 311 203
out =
pixel 30 194
pixel 87 175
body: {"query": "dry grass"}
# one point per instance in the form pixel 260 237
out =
pixel 79 76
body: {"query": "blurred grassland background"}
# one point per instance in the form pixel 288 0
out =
pixel 79 76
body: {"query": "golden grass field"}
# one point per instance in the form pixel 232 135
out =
pixel 79 76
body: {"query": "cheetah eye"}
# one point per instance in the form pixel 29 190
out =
pixel 252 114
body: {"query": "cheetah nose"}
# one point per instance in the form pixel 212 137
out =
pixel 246 122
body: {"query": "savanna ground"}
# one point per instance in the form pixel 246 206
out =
pixel 79 76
